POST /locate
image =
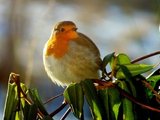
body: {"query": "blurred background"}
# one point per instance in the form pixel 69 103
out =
pixel 130 27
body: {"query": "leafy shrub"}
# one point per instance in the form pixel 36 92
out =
pixel 124 93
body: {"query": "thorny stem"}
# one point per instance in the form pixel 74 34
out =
pixel 66 114
pixel 58 109
pixel 146 56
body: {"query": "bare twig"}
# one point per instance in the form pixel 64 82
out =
pixel 146 56
pixel 58 109
pixel 66 114
pixel 52 98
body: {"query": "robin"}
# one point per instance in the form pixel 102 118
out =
pixel 70 56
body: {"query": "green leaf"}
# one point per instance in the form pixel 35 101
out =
pixel 134 69
pixel 129 79
pixel 117 60
pixel 24 88
pixel 111 101
pixel 30 111
pixel 120 59
pixel 128 112
pixel 36 99
pixel 153 80
pixel 73 94
pixel 19 115
pixel 105 99
pixel 93 99
pixel 25 110
pixel 11 102
pixel 123 59
pixel 47 118
pixel 105 61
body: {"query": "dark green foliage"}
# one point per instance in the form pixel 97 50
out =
pixel 74 96
pixel 112 101
pixel 22 103
pixel 122 94
pixel 93 100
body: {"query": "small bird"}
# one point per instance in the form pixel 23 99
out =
pixel 70 56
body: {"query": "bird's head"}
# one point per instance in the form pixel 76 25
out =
pixel 65 30
pixel 62 33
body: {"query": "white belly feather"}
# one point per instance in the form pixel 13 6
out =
pixel 77 65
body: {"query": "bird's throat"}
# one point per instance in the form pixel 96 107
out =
pixel 57 48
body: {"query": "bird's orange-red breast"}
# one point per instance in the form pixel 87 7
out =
pixel 70 56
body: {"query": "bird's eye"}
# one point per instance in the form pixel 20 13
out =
pixel 62 29
pixel 55 29
pixel 75 29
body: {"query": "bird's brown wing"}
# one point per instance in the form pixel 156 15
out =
pixel 86 41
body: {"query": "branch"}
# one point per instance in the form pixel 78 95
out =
pixel 58 109
pixel 133 99
pixel 146 56
pixel 52 98
pixel 151 88
pixel 104 84
pixel 66 114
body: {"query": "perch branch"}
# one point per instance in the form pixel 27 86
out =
pixel 103 84
pixel 133 99
pixel 109 84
